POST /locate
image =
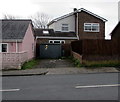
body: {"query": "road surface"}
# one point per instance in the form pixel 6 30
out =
pixel 62 87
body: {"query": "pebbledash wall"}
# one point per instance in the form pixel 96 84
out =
pixel 13 60
pixel 25 51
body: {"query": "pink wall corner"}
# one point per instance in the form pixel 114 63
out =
pixel 28 42
pixel 19 47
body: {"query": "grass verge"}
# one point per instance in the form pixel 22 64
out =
pixel 95 64
pixel 30 64
pixel 105 63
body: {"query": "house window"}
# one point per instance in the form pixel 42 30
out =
pixel 62 42
pixel 51 42
pixel 65 27
pixel 91 27
pixel 57 41
pixel 3 47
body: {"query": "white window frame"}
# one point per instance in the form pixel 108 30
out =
pixel 53 41
pixel 91 25
pixel 65 26
pixel 1 47
pixel 46 32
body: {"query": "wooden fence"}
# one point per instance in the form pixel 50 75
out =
pixel 97 49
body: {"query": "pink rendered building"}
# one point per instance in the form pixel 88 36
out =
pixel 17 44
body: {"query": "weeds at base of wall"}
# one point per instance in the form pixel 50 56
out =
pixel 30 64
pixel 76 62
pixel 109 63
pixel 96 64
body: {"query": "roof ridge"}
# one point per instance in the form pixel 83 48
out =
pixel 66 15
pixel 82 9
pixel 78 10
pixel 16 19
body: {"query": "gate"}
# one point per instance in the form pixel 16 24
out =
pixel 50 51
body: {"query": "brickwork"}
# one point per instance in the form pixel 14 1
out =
pixel 77 56
pixel 87 18
pixel 45 41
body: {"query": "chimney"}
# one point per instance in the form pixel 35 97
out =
pixel 119 11
pixel 75 9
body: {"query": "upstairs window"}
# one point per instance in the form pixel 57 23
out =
pixel 3 47
pixel 91 27
pixel 65 27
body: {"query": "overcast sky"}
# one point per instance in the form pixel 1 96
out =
pixel 107 9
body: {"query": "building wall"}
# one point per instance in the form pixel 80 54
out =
pixel 13 60
pixel 68 20
pixel 45 41
pixel 12 47
pixel 52 26
pixel 28 43
pixel 87 18
pixel 66 47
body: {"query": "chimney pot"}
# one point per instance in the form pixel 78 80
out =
pixel 75 9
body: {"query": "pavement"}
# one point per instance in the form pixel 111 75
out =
pixel 48 71
pixel 55 63
pixel 47 67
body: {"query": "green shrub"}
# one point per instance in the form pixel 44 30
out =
pixel 29 64
pixel 77 62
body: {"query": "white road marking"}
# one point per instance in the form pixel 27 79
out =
pixel 9 90
pixel 97 86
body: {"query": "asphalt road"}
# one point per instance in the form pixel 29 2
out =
pixel 61 87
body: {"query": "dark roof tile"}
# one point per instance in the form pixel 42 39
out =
pixel 39 32
pixel 14 29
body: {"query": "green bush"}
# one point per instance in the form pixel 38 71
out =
pixel 77 62
pixel 29 64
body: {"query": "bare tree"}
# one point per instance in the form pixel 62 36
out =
pixel 40 20
pixel 7 16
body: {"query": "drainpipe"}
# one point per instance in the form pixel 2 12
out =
pixel 77 24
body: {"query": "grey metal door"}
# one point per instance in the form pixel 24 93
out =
pixel 50 50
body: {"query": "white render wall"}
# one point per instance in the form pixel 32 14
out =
pixel 68 20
